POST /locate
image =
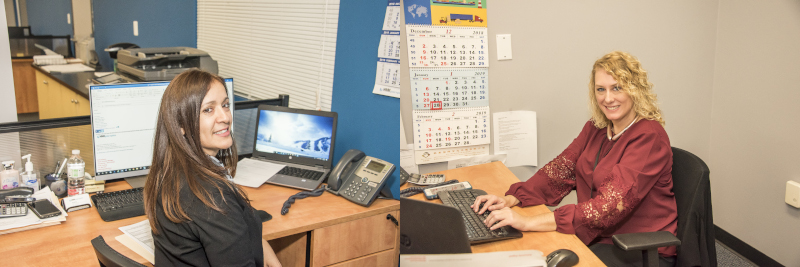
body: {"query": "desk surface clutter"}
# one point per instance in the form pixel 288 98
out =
pixel 68 244
pixel 495 178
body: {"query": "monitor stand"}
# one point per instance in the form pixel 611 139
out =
pixel 136 181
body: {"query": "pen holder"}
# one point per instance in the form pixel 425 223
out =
pixel 57 184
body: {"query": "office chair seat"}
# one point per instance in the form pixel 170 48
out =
pixel 108 257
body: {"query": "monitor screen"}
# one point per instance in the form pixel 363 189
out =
pixel 294 134
pixel 123 126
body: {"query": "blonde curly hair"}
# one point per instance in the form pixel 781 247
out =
pixel 632 79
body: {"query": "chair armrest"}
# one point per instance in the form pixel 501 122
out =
pixel 645 241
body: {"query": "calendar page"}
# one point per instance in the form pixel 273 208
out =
pixel 389 47
pixel 447 154
pixel 388 72
pixel 436 89
pixel 434 129
pixel 391 21
pixel 443 46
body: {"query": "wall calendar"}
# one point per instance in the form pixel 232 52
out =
pixel 451 128
pixel 435 89
pixel 440 46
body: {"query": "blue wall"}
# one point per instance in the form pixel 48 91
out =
pixel 367 122
pixel 161 24
pixel 49 17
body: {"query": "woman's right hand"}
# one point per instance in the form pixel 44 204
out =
pixel 493 203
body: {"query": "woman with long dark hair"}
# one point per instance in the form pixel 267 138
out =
pixel 198 215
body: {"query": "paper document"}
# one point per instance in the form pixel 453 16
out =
pixel 515 135
pixel 141 233
pixel 407 160
pixel 67 68
pixel 477 160
pixel 139 249
pixel 253 173
pixel 519 258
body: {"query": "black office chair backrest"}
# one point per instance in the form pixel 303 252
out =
pixel 108 257
pixel 692 190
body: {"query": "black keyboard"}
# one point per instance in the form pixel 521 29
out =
pixel 120 205
pixel 476 230
pixel 301 173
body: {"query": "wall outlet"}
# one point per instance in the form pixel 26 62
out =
pixel 135 28
pixel 503 47
pixel 793 193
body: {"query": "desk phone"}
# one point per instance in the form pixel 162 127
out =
pixel 359 178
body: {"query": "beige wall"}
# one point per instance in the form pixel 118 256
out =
pixel 82 18
pixel 555 44
pixel 754 143
pixel 9 11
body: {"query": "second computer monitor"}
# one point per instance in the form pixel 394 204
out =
pixel 123 126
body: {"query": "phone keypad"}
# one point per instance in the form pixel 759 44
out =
pixel 358 191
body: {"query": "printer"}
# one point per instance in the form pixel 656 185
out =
pixel 163 63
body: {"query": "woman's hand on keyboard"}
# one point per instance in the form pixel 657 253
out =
pixel 493 203
pixel 506 216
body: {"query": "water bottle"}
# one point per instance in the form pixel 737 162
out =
pixel 75 174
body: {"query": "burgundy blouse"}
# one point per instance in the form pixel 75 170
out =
pixel 629 191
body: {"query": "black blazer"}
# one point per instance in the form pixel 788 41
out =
pixel 211 238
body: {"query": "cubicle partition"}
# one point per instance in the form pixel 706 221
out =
pixel 51 140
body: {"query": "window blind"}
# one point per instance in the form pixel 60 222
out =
pixel 273 47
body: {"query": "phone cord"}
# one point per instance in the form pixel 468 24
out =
pixel 317 192
pixel 418 189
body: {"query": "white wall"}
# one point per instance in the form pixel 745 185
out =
pixel 9 143
pixel 8 109
pixel 754 145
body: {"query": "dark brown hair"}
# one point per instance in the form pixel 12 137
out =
pixel 179 158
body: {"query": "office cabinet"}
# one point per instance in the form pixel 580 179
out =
pixel 372 239
pixel 57 100
pixel 25 85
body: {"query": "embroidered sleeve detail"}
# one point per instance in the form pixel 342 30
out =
pixel 615 200
pixel 560 173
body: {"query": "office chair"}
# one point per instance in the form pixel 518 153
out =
pixel 108 257
pixel 695 235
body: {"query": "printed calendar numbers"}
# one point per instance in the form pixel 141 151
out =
pixel 441 46
pixel 453 128
pixel 433 89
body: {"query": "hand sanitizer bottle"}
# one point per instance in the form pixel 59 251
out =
pixel 9 176
pixel 30 178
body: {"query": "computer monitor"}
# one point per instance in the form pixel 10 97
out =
pixel 123 128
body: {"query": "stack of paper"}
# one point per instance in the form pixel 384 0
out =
pixel 67 68
pixel 139 238
pixel 31 221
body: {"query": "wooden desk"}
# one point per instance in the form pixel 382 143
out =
pixel 341 233
pixel 495 178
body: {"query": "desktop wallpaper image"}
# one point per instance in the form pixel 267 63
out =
pixel 294 134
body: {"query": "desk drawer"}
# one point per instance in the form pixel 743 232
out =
pixel 385 258
pixel 351 240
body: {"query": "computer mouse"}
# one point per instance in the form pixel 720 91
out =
pixel 562 258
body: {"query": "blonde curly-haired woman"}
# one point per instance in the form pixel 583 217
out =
pixel 620 164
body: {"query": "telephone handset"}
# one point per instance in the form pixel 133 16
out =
pixel 358 177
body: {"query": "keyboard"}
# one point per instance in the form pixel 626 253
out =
pixel 301 173
pixel 477 232
pixel 120 205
